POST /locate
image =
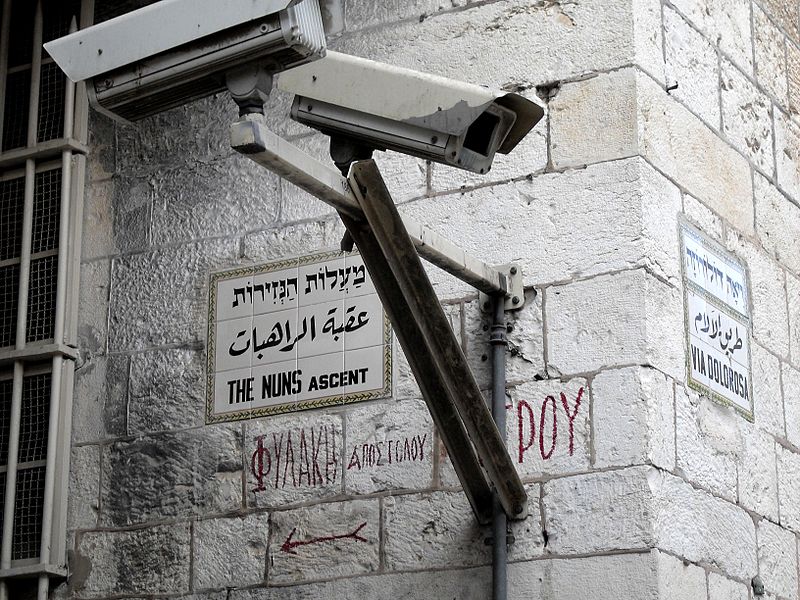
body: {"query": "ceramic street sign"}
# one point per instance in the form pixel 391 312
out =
pixel 295 334
pixel 717 322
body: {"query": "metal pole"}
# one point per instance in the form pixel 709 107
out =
pixel 499 343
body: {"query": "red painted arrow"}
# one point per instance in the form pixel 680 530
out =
pixel 289 546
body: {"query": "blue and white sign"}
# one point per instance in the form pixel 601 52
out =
pixel 717 322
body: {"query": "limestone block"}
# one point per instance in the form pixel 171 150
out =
pixel 230 552
pixel 100 399
pixel 791 402
pixel 777 223
pixel 154 560
pixel 582 512
pixel 777 559
pixel 167 390
pixel 548 427
pixel 515 43
pixel 720 588
pixel 787 156
pixel 728 22
pixel 586 222
pixel 93 307
pixel 769 45
pixel 758 473
pixel 130 210
pixel 768 296
pixel 793 69
pixel 617 319
pixel 680 145
pixel 190 473
pixel 767 396
pixel 633 417
pixel 101 161
pixel 99 237
pixel 789 488
pixel 707 440
pixel 702 217
pixel 324 541
pixel 293 458
pixel 746 118
pixel 224 197
pixel 292 240
pixel 692 65
pixel 699 527
pixel 389 446
pixel 84 487
pixel 363 13
pixel 678 580
pixel 161 297
pixel 594 120
pixel 793 294
pixel 786 15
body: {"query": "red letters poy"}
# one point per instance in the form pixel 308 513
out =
pixel 288 545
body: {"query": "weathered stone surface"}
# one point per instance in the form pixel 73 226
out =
pixel 767 396
pixel 93 308
pixel 144 561
pixel 100 399
pixel 768 296
pixel 789 488
pixel 680 145
pixel 707 440
pixel 389 446
pixel 787 155
pixel 720 588
pixel 354 551
pixel 620 319
pixel 777 559
pixel 633 418
pixel 758 473
pixel 98 238
pixel 701 528
pixel 293 458
pixel 520 43
pixel 793 292
pixel 101 161
pixel 220 198
pixel 167 390
pixel 678 580
pixel 84 487
pixel 777 223
pixel 230 552
pixel 791 402
pixel 786 15
pixel 746 118
pixel 182 474
pixel 548 427
pixel 725 21
pixel 594 120
pixel 702 217
pixel 293 240
pixel 581 512
pixel 793 69
pixel 130 209
pixel 770 52
pixel 692 66
pixel 362 13
pixel 161 297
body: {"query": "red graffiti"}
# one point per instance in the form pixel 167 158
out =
pixel 379 454
pixel 295 458
pixel 288 545
pixel 526 425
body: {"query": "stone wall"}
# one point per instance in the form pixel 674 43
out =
pixel 659 113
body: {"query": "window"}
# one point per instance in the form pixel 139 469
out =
pixel 42 148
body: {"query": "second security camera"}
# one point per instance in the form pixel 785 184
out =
pixel 382 107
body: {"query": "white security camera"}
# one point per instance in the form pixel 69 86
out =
pixel 365 105
pixel 176 51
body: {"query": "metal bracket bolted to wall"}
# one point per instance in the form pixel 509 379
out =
pixel 515 296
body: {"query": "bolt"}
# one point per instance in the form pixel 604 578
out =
pixel 513 270
pixel 515 300
pixel 509 328
pixel 518 509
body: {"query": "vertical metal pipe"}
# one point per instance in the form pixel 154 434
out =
pixel 499 343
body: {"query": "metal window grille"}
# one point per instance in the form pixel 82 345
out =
pixel 42 123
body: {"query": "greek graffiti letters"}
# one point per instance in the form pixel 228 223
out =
pixel 571 417
pixel 523 447
pixel 549 414
pixel 257 466
pixel 549 453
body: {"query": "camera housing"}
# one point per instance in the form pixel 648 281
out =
pixel 177 51
pixel 383 107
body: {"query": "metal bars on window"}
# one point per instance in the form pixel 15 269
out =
pixel 42 116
